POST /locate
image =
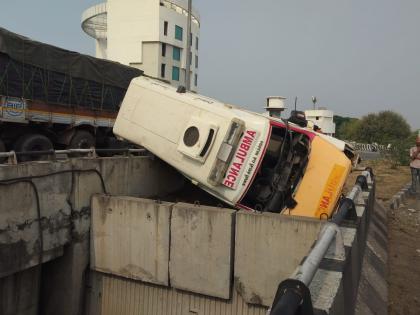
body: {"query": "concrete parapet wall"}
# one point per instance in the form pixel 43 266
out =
pixel 203 245
pixel 193 259
pixel 112 295
pixel 64 213
pixel 267 248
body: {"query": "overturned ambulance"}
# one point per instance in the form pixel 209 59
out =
pixel 248 160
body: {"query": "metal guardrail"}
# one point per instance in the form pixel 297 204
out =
pixel 293 296
pixel 369 147
pixel 12 156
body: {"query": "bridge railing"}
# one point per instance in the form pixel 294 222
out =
pixel 12 157
pixel 293 296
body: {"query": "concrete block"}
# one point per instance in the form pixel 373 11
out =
pixel 130 238
pixel 268 248
pixel 201 249
pixel 346 238
pixel 327 292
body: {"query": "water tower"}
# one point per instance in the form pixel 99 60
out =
pixel 275 106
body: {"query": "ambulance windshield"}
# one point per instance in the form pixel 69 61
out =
pixel 280 172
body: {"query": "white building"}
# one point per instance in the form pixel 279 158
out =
pixel 323 118
pixel 147 34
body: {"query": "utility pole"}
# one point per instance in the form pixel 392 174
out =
pixel 188 50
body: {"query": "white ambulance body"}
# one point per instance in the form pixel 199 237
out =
pixel 248 160
pixel 194 134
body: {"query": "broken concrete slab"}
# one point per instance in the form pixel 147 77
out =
pixel 130 238
pixel 269 247
pixel 201 249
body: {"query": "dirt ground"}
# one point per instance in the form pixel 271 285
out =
pixel 389 180
pixel 404 259
pixel 403 238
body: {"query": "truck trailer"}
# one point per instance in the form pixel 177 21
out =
pixel 55 98
pixel 248 160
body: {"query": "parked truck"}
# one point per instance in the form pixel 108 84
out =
pixel 55 98
pixel 249 161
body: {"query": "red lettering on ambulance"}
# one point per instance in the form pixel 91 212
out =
pixel 228 183
pixel 231 177
pixel 247 140
pixel 234 172
pixel 245 146
pixel 237 165
pixel 251 133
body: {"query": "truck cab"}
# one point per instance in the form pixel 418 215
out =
pixel 249 161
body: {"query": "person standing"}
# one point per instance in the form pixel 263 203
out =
pixel 415 165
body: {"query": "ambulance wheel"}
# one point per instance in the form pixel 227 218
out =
pixel 33 142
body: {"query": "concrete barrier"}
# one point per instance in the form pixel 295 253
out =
pixel 64 213
pixel 264 250
pixel 130 238
pixel 202 249
pixel 267 248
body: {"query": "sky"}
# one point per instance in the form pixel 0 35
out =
pixel 355 56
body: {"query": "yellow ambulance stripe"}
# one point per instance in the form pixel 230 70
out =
pixel 330 190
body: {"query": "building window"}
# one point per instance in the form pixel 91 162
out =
pixel 196 43
pixel 178 32
pixel 190 58
pixel 163 49
pixel 176 53
pixel 175 73
pixel 191 39
pixel 196 61
pixel 195 80
pixel 162 70
pixel 165 28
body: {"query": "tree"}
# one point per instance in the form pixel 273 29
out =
pixel 345 127
pixel 384 127
pixel 399 152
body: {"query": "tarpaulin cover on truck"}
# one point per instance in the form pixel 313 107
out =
pixel 39 71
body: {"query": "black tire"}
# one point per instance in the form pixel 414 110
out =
pixel 2 149
pixel 33 142
pixel 82 139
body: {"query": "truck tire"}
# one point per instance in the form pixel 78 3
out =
pixel 2 149
pixel 33 142
pixel 82 139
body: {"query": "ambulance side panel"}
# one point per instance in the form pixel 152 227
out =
pixel 155 116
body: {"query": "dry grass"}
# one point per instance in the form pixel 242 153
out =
pixel 389 180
